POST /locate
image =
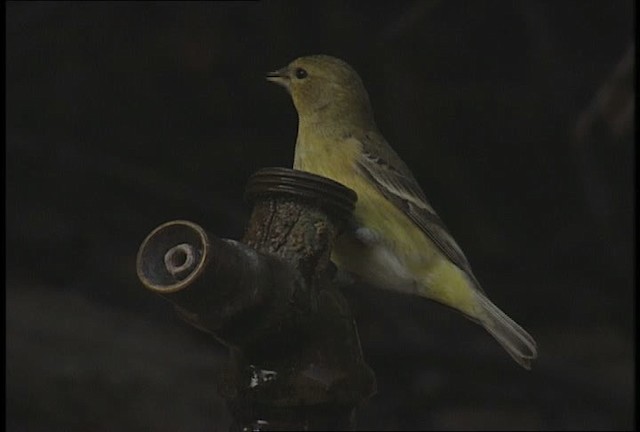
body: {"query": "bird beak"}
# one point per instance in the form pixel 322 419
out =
pixel 281 77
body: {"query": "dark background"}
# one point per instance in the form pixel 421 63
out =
pixel 515 116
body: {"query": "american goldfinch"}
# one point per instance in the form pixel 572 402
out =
pixel 398 241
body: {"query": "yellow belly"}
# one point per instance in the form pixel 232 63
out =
pixel 337 161
pixel 402 257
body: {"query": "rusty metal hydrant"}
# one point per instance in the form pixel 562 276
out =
pixel 295 359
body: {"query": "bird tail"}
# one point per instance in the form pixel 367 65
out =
pixel 513 338
pixel 453 287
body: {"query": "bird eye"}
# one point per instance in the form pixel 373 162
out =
pixel 301 73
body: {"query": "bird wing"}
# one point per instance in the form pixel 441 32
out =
pixel 394 180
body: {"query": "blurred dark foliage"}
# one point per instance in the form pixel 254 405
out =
pixel 515 116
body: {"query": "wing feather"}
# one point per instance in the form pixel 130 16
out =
pixel 394 180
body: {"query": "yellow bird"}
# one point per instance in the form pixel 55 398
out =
pixel 399 241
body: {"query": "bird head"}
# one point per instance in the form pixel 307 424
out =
pixel 323 85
